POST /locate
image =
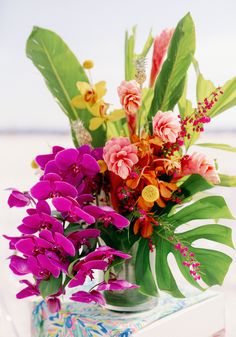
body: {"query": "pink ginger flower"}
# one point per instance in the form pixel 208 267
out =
pixel 130 99
pixel 120 156
pixel 166 126
pixel 198 163
pixel 161 44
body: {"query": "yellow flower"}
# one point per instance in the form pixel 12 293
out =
pixel 89 95
pixel 99 111
pixel 102 165
pixel 88 64
pixel 150 193
pixel 34 165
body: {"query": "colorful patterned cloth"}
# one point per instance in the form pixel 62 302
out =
pixel 86 320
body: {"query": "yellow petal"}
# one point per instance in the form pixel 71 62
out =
pixel 95 123
pixel 95 109
pixel 78 102
pixel 100 89
pixel 83 87
pixel 34 165
pixel 103 166
pixel 116 115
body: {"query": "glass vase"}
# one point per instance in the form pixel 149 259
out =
pixel 130 300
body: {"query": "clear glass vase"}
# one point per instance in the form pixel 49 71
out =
pixel 130 300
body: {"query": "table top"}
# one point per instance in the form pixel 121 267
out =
pixel 86 320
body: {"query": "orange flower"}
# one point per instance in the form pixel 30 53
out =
pixel 145 224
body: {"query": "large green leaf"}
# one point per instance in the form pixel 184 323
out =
pixel 224 147
pixel 50 286
pixel 204 87
pixel 171 80
pixel 213 207
pixel 61 70
pixel 227 181
pixel 194 184
pixel 214 264
pixel 144 276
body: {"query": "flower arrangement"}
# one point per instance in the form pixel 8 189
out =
pixel 129 180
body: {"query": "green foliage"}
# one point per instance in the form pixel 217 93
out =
pixel 171 80
pixel 130 55
pixel 51 286
pixel 227 181
pixel 224 147
pixel 195 183
pixel 144 276
pixel 61 70
pixel 204 87
pixel 147 45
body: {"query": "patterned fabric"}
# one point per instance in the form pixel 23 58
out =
pixel 86 320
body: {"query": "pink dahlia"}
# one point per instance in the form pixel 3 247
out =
pixel 166 126
pixel 120 156
pixel 130 99
pixel 198 163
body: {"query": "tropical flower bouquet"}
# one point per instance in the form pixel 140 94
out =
pixel 116 202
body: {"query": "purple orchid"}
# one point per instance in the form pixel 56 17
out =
pixel 84 269
pixel 30 290
pixel 54 304
pixel 52 186
pixel 82 237
pixel 18 199
pixel 73 164
pixel 88 297
pixel 71 210
pixel 106 252
pixel 114 285
pixel 19 265
pixel 40 219
pixel 43 159
pixel 107 216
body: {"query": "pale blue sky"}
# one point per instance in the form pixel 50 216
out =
pixel 95 29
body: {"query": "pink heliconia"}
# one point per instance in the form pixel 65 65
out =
pixel 130 98
pixel 120 156
pixel 161 44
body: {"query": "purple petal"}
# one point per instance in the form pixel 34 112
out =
pixel 26 229
pixel 45 262
pixel 94 211
pixel 34 266
pixel 18 199
pixel 65 189
pixel 118 220
pixel 47 235
pixel 54 305
pixel 51 167
pixel 51 177
pixel 88 297
pixel 26 246
pixel 41 190
pixel 78 280
pixel 116 285
pixel 84 215
pixel 90 165
pixel 66 244
pixel 62 204
pixel 66 158
pixel 18 265
pixel 43 207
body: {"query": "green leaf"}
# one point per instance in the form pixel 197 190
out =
pixel 171 80
pixel 144 276
pixel 194 184
pixel 185 106
pixel 72 227
pixel 227 181
pixel 204 87
pixel 213 207
pixel 147 46
pixel 147 96
pixel 50 286
pixel 130 55
pixel 61 70
pixel 224 147
pixel 227 100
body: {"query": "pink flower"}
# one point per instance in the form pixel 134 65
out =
pixel 198 163
pixel 161 44
pixel 130 99
pixel 166 126
pixel 120 156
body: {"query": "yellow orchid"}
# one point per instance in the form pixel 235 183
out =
pixel 89 95
pixel 99 111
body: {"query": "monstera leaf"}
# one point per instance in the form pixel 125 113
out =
pixel 61 70
pixel 171 80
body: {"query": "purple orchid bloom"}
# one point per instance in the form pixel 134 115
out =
pixel 85 269
pixel 82 237
pixel 71 210
pixel 59 242
pixel 18 199
pixel 73 164
pixel 107 216
pixel 40 219
pixel 19 265
pixel 54 304
pixel 14 239
pixel 30 290
pixel 43 159
pixel 88 297
pixel 52 186
pixel 114 285
pixel 106 252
